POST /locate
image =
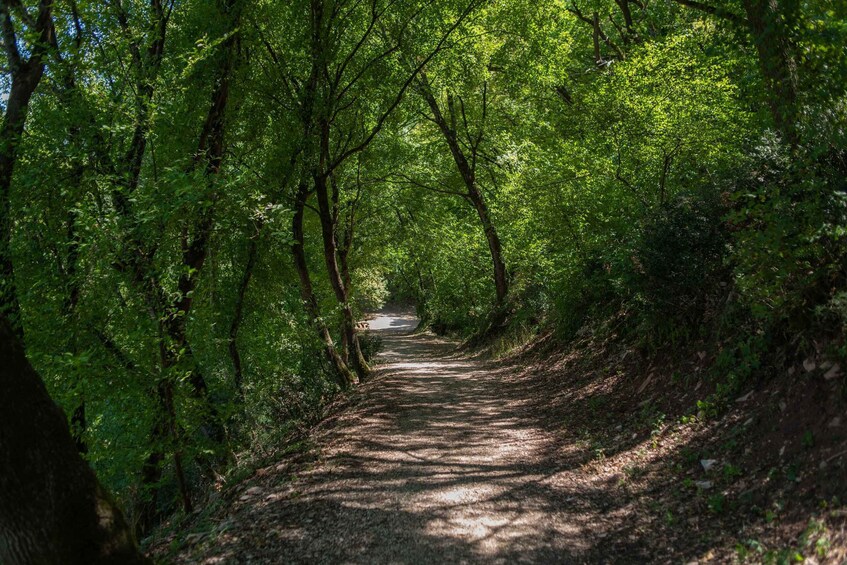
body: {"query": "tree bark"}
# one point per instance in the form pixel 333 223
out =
pixel 164 432
pixel 135 256
pixel 344 263
pixel 52 508
pixel 195 246
pixel 174 343
pixel 68 96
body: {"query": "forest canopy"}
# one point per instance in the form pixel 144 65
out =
pixel 200 199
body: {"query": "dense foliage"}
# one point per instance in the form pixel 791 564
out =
pixel 201 197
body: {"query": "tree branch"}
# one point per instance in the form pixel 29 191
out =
pixel 396 102
pixel 713 10
pixel 410 181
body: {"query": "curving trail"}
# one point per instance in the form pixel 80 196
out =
pixel 439 461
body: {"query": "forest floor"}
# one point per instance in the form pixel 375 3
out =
pixel 446 456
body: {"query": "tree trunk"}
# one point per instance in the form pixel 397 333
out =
pixel 344 266
pixel 330 258
pixel 466 171
pixel 768 26
pixel 195 246
pixel 627 15
pixel 164 432
pixel 173 337
pixel 177 345
pixel 135 257
pixel 342 372
pixel 52 509
pixel 26 75
pixel 68 97
pixel 174 342
pixel 501 284
pixel 238 316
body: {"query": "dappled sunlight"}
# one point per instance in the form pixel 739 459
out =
pixel 394 322
pixel 439 458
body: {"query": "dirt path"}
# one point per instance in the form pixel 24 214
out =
pixel 439 461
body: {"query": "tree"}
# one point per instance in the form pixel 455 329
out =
pixel 467 168
pixel 332 111
pixel 53 509
pixel 26 73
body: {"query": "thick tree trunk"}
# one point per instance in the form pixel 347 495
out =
pixel 342 372
pixel 52 509
pixel 330 258
pixel 767 21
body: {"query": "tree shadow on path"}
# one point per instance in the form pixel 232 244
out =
pixel 440 461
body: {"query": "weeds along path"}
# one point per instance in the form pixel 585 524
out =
pixel 439 460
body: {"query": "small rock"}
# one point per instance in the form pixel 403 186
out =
pixel 744 398
pixel 809 365
pixel 782 451
pixel 749 421
pixel 701 355
pixel 782 405
pixel 707 463
pixel 253 490
pixel 835 422
pixel 834 372
pixel 703 485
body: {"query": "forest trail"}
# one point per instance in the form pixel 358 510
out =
pixel 438 461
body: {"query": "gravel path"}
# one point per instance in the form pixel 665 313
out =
pixel 439 461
